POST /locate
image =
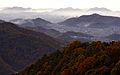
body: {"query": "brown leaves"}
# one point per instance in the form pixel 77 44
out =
pixel 86 64
pixel 77 51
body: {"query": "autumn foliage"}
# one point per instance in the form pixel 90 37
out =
pixel 95 58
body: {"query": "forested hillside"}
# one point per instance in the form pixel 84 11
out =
pixel 20 47
pixel 95 58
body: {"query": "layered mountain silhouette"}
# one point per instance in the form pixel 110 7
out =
pixel 44 26
pixel 99 26
pixel 38 25
pixel 31 22
pixel 51 32
pixel 70 36
pixel 93 21
pixel 20 47
pixel 114 37
pixel 27 40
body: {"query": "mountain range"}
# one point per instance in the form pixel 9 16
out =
pixel 23 41
pixel 31 22
pixel 93 20
pixel 46 27
pixel 96 25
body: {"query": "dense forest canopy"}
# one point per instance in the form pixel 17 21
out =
pixel 95 58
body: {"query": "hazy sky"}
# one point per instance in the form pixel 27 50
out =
pixel 110 4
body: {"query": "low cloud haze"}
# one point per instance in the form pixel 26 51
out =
pixel 99 9
pixel 53 15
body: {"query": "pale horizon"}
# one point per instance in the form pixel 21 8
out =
pixel 56 10
pixel 55 4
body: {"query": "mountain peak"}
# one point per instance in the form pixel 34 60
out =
pixel 91 15
pixel 41 20
pixel 38 18
pixel 95 14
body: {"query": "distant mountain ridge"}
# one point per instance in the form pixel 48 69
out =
pixel 114 36
pixel 91 19
pixel 99 9
pixel 71 36
pixel 51 32
pixel 31 22
pixel 95 24
pixel 99 26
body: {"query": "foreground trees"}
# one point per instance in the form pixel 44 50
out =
pixel 95 58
